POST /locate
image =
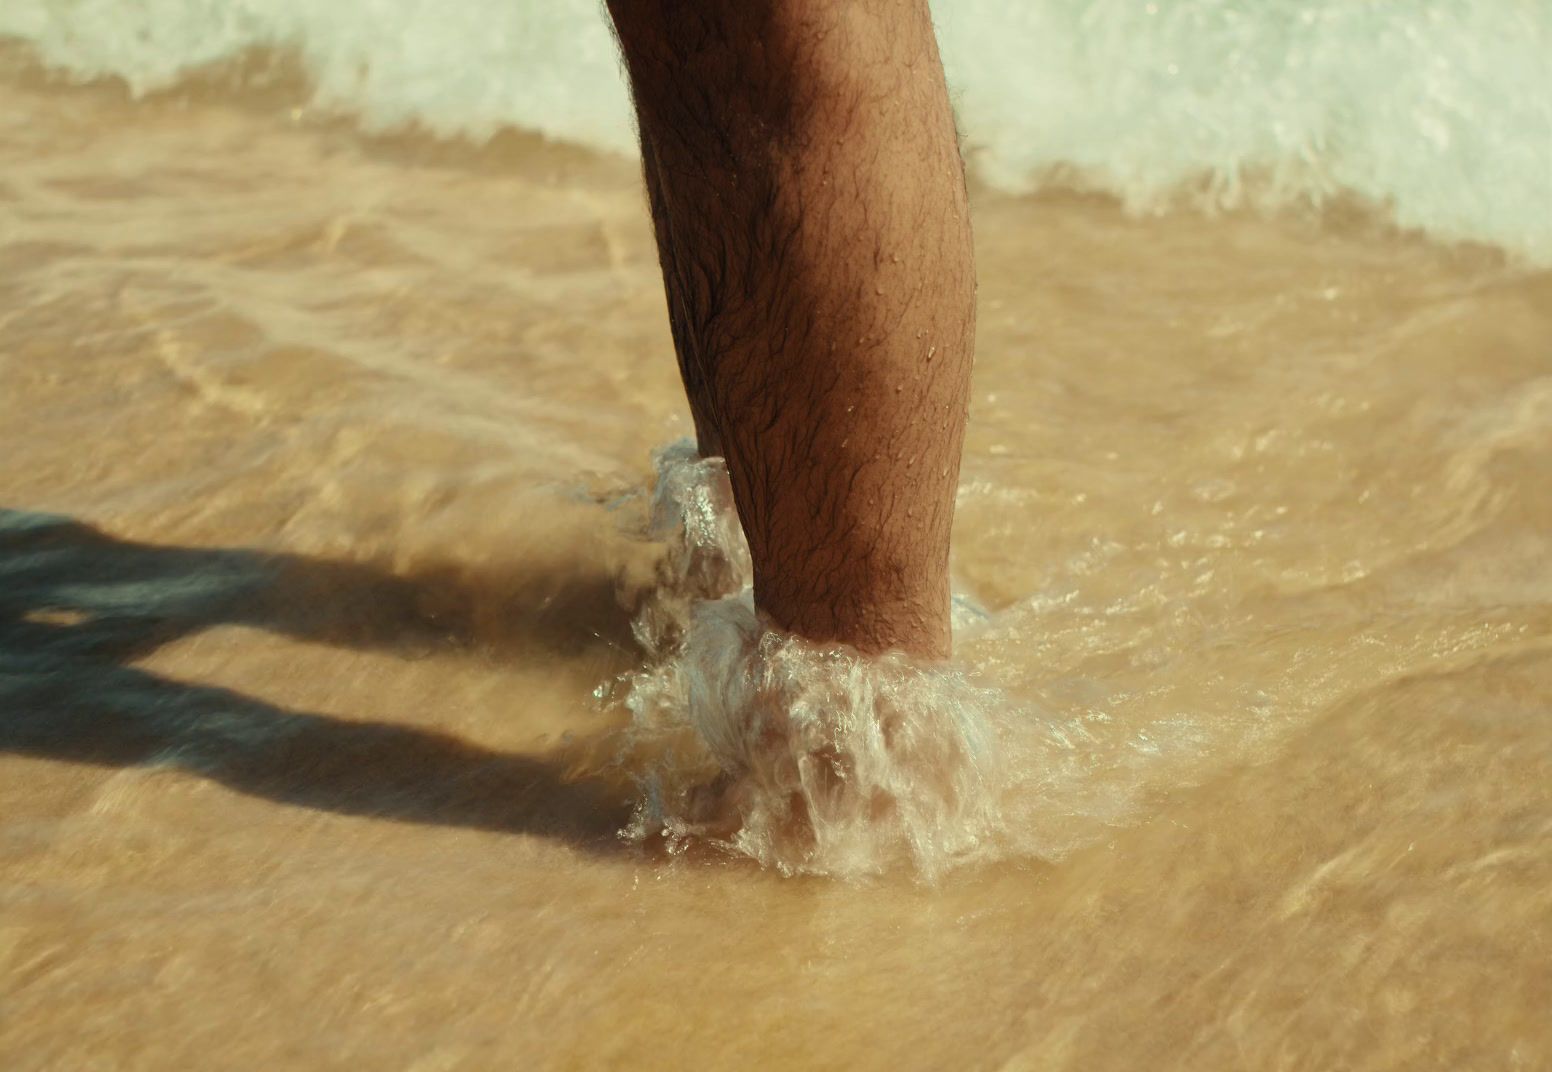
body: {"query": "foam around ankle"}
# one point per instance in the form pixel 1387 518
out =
pixel 806 757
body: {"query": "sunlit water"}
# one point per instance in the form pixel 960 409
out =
pixel 357 708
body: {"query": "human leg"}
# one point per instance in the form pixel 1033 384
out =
pixel 810 208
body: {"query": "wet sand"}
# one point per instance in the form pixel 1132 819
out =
pixel 316 468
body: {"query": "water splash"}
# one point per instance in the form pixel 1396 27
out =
pixel 705 554
pixel 809 758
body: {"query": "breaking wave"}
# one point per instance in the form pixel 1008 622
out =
pixel 1440 113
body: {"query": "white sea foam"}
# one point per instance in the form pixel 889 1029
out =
pixel 1441 111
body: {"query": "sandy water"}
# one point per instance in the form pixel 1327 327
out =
pixel 321 462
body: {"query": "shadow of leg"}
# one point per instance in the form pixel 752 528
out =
pixel 77 605
pixel 88 712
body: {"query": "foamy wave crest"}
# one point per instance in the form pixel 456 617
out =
pixel 808 758
pixel 1440 112
pixel 467 68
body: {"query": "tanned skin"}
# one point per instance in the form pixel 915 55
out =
pixel 806 187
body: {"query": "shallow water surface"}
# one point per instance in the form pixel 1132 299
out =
pixel 322 466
